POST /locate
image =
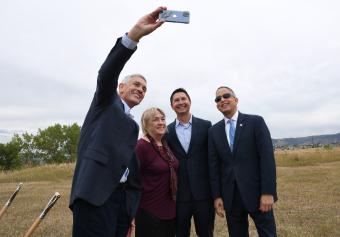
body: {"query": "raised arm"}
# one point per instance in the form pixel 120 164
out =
pixel 146 25
pixel 108 74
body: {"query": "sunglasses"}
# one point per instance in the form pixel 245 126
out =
pixel 225 96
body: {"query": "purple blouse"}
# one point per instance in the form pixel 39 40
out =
pixel 155 179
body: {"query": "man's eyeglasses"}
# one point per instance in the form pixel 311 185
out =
pixel 225 96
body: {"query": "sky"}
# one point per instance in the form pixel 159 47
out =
pixel 281 57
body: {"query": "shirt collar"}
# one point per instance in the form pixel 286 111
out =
pixel 184 124
pixel 127 109
pixel 234 118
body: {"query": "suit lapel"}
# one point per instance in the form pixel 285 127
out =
pixel 127 118
pixel 194 133
pixel 223 137
pixel 173 137
pixel 239 129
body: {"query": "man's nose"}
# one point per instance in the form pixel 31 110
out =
pixel 140 89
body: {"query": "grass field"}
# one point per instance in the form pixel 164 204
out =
pixel 308 189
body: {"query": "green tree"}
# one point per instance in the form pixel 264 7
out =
pixel 55 144
pixel 72 136
pixel 9 156
pixel 29 154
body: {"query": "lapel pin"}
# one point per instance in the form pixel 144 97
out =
pixel 241 125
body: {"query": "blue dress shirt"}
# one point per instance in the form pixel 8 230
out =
pixel 183 131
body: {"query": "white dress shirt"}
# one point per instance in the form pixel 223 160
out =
pixel 127 112
pixel 128 43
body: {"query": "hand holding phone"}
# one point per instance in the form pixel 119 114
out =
pixel 175 16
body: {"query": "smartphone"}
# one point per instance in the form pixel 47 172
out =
pixel 175 16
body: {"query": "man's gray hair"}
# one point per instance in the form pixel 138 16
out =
pixel 128 77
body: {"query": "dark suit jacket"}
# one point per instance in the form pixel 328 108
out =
pixel 107 140
pixel 251 165
pixel 193 166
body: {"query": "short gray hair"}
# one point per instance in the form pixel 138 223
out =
pixel 128 77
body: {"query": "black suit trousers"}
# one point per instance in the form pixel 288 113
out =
pixel 237 219
pixel 148 225
pixel 204 217
pixel 109 220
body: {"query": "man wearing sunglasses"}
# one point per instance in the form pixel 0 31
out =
pixel 242 168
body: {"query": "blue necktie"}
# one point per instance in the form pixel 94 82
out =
pixel 231 134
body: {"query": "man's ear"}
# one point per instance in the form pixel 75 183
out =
pixel 121 88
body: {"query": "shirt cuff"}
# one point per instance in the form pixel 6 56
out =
pixel 128 43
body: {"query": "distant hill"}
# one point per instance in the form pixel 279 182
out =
pixel 307 141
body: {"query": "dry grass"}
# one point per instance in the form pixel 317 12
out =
pixel 305 157
pixel 309 202
pixel 40 183
pixel 308 187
